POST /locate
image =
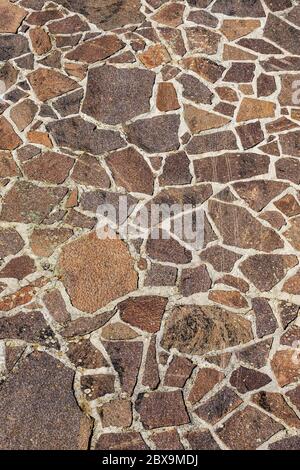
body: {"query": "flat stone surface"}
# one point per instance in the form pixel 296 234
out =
pixel 160 409
pixel 144 312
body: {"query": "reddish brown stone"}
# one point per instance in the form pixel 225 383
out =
pixel 173 39
pixel 194 280
pixel 266 322
pixel 288 443
pixel 9 140
pixel 69 104
pixel 246 228
pixel 96 386
pixel 11 242
pixel 248 429
pixel 255 355
pixel 218 406
pixel 201 440
pixel 18 268
pixel 167 440
pixel 203 17
pixel 44 242
pixel 96 49
pixel 118 331
pixel 40 41
pixel 168 250
pixel 276 5
pixel 166 99
pixel 245 380
pixel 76 219
pixel 215 142
pixel 83 354
pixel 202 39
pixel 56 306
pixel 151 377
pixel 200 329
pixel 160 275
pixel 225 108
pixel 176 170
pixel 235 28
pixel 88 171
pixel 116 413
pixel 234 281
pixel 110 266
pixel 131 171
pixel 230 167
pixel 250 134
pixel 288 312
pixel 286 366
pixel 205 68
pixel 48 167
pixel 126 358
pixel 252 108
pixel 282 33
pixel 292 285
pixel 265 271
pixel 143 312
pixel 288 205
pixel 161 409
pixel 23 114
pixel 259 193
pixel 275 404
pixel 232 53
pixel 240 73
pixel 220 258
pixel 291 336
pixel 274 218
pixel 8 167
pixel 204 382
pixel 71 25
pixel 178 372
pixel 228 298
pixel 48 84
pixel 195 90
pixel 39 137
pixel 294 396
pixel 266 85
pixel 121 441
pixel 154 56
pixel 199 120
pixel 288 169
pixel 85 325
pixel 170 15
pixel 238 8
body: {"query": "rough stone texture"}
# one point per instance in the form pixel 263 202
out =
pixel 218 406
pixel 205 381
pixel 194 280
pixel 160 409
pixel 144 312
pixel 48 84
pixel 245 380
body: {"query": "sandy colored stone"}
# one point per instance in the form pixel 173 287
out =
pixel 205 381
pixel 40 41
pixel 166 99
pixel 236 28
pixel 9 140
pixel 252 108
pixel 11 16
pixel 154 56
pixel 110 266
pixel 48 84
pixel 235 53
pixel 116 413
pixel 40 138
pixel 144 312
pixel 199 120
pixel 286 366
pixel 118 331
pixel 151 376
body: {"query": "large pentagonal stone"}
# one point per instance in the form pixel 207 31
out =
pixel 117 95
pixel 96 271
pixel 38 409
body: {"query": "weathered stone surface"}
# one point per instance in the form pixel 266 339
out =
pixel 78 134
pixel 214 142
pixel 255 355
pixel 161 409
pixel 157 134
pixel 259 193
pixel 286 366
pixel 44 242
pixel 56 306
pixel 218 406
pixel 282 33
pixel 131 171
pixel 276 5
pixel 288 312
pixel 48 84
pixel 40 41
pixel 204 382
pixel 195 90
pixel 129 90
pixel 121 441
pixel 170 15
pixel 84 325
pixel 250 134
pixel 28 203
pixel 292 285
pixel 160 275
pixel 144 312
pixel 202 39
pixel 166 99
pixel 9 140
pixel 116 413
pixel 118 331
pixel 201 440
pixel 167 440
pixel 103 257
pixel 23 113
pixel 178 372
pixel 154 56
pixel 194 280
pixel 96 386
pixel 199 120
pixel 266 85
pixel 88 171
pixel 48 167
pixel 197 330
pixel 84 354
pixel 234 281
pixel 205 68
pixel 230 167
pixel 168 250
pixel 265 271
pixel 174 41
pixel 203 17
pixel 8 166
pixel 11 242
pixel 294 396
pixel 42 388
pixel 228 298
pixel 245 380
pixel 220 258
pixel 266 322
pixel 246 228
pixel 252 108
pixel 288 443
pixel 11 17
pixel 12 45
pixel 291 336
pixel 236 28
pixel 18 268
pixel 288 205
pixel 240 73
pixel 151 377
pixel 248 429
pixel 126 359
pixel 288 169
pixel 69 104
pixel 176 170
pixel 275 404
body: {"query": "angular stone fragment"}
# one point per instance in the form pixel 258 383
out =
pixel 248 429
pixel 8 166
pixel 118 331
pixel 199 120
pixel 266 322
pixel 291 336
pixel 18 268
pixel 178 372
pixel 43 388
pixel 231 299
pixel 288 205
pixel 194 280
pixel 161 409
pixel 151 377
pixel 245 380
pixel 48 84
pixel 255 355
pixel 23 113
pixel 96 49
pixel 231 166
pixel 144 312
pixel 69 104
pixel 9 140
pixel 78 134
pixel 28 203
pixel 205 68
pixel 11 242
pixel 170 15
pixel 197 330
pixel 96 386
pixel 288 312
pixel 126 358
pixel 176 170
pixel 267 270
pixel 12 45
pixel 40 41
pixel 236 28
pixel 11 17
pixel 48 167
pixel 252 108
pixel 259 45
pixel 110 266
pixel 220 258
pixel 44 242
pixel 248 231
pixel 88 171
pixel 201 440
pixel 84 354
pixel 218 406
pixel 239 8
pixel 121 441
pixel 131 171
pixel 240 72
pixel 259 193
pixel 205 381
pixel 202 39
pixel 174 41
pixel 286 366
pixel 167 440
pixel 116 413
pixel 292 285
pixel 234 281
pixel 250 134
pixel 282 33
pixel 237 54
pixel 203 17
pixel 155 135
pixel 154 56
pixel 294 396
pixel 288 443
pixel 56 306
pixel 266 85
pixel 160 275
pixel 288 169
pixel 166 99
pixel 276 5
pixel 195 90
pixel 85 325
pixel 214 142
pixel 129 90
pixel 71 25
pixel 167 250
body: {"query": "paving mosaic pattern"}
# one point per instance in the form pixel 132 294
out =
pixel 137 344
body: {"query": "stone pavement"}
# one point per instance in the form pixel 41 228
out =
pixel 150 343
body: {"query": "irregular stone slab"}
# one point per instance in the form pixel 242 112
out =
pixel 250 134
pixel 88 171
pixel 151 377
pixel 48 167
pixel 265 271
pixel 96 49
pixel 248 429
pixel 116 413
pixel 48 84
pixel 240 72
pixel 167 440
pixel 154 56
pixel 9 140
pixel 288 205
pixel 259 45
pixel 118 331
pixel 18 268
pixel 170 15
pixel 23 113
pixel 144 312
pixel 168 250
pixel 239 8
pixel 129 90
pixel 255 355
pixel 179 370
pixel 198 330
pixel 97 386
pixel 231 167
pixel 12 45
pixel 109 14
pixel 266 85
pixel 85 325
pixel 194 280
pixel 288 312
pixel 205 381
pixel 29 203
pixel 288 63
pixel 40 41
pixel 84 354
pixel 286 366
pixel 259 193
pixel 220 258
pixel 288 443
pixel 265 320
pixel 205 68
pixel 110 272
pixel 245 380
pixel 201 440
pixel 78 134
pixel 161 409
pixel 56 306
pixel 42 387
pixel 11 242
pixel 231 299
pixel 274 403
pixel 126 359
pixel 236 53
pixel 288 169
pixel 218 406
pixel 252 108
pixel 236 28
pixel 121 441
pixel 239 228
pixel 195 90
pixel 202 39
pixel 290 143
pixel 155 135
pixel 166 99
pixel 11 16
pixel 292 285
pixel 44 242
pixel 130 170
pixel 214 142
pixel 176 170
pixel 199 120
pixel 282 33
pixel 160 275
pixel 69 104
